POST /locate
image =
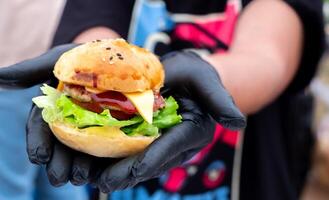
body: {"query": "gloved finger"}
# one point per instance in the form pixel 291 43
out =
pixel 218 102
pixel 176 161
pixel 190 134
pixel 180 138
pixel 81 169
pixel 35 70
pixel 98 167
pixel 202 81
pixel 119 176
pixel 128 184
pixel 59 167
pixel 39 138
pixel 116 176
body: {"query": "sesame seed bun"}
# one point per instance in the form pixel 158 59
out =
pixel 111 64
pixel 100 141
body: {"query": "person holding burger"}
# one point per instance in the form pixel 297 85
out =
pixel 269 61
pixel 101 108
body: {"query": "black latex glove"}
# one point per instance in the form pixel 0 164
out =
pixel 196 86
pixel 33 71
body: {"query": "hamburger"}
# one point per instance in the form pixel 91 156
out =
pixel 108 101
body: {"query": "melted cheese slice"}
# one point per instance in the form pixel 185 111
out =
pixel 60 86
pixel 143 102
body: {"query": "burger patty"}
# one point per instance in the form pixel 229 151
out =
pixel 77 92
pixel 107 100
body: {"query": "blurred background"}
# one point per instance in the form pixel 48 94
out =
pixel 27 28
pixel 318 181
pixel 35 22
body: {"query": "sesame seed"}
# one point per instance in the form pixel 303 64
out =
pixel 108 48
pixel 118 54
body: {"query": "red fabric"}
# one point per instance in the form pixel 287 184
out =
pixel 176 179
pixel 221 27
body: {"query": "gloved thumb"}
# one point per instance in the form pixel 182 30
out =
pixel 188 73
pixel 35 70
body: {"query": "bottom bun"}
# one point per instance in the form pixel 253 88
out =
pixel 100 141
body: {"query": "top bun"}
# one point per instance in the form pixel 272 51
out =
pixel 111 64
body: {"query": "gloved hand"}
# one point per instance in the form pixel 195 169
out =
pixel 33 71
pixel 196 86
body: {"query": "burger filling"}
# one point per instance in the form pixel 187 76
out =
pixel 136 114
pixel 119 105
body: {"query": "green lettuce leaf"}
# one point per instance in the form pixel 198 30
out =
pixel 164 118
pixel 50 112
pixel 58 107
pixel 167 117
pixel 81 117
pixel 143 128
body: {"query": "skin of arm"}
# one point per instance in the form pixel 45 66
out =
pixel 264 55
pixel 99 32
pixel 263 58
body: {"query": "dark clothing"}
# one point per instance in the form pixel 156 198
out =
pixel 277 140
